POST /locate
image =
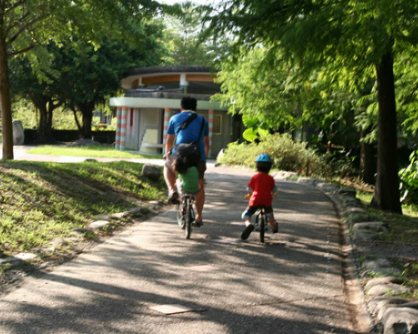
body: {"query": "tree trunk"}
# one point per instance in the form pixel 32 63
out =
pixel 77 122
pixel 387 195
pixel 45 120
pixel 368 160
pixel 5 103
pixel 42 120
pixel 49 113
pixel 87 111
pixel 42 132
pixel 87 120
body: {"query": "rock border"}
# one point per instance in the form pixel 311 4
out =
pixel 384 297
pixel 99 225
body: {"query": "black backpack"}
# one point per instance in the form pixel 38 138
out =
pixel 190 152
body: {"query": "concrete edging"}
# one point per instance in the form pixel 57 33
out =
pixel 384 307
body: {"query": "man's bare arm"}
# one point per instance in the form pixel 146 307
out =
pixel 207 147
pixel 169 144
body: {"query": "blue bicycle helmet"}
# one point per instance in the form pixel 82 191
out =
pixel 263 158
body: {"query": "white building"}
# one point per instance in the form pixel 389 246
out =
pixel 152 96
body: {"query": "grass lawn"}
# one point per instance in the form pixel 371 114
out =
pixel 100 151
pixel 41 202
pixel 402 228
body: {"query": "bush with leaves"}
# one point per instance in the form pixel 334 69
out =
pixel 409 180
pixel 286 154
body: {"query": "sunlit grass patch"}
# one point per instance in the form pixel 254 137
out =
pixel 402 228
pixel 410 273
pixel 96 151
pixel 41 201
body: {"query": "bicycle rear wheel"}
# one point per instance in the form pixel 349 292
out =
pixel 181 215
pixel 262 219
pixel 189 217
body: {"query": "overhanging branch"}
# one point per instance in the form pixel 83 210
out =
pixel 15 22
pixel 14 53
pixel 76 120
pixel 25 27
pixel 15 5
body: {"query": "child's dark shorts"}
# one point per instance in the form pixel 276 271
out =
pixel 252 209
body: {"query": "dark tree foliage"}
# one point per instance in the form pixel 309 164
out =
pixel 357 35
pixel 80 76
pixel 89 77
pixel 27 26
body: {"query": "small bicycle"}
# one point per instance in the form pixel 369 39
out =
pixel 261 220
pixel 260 223
pixel 185 213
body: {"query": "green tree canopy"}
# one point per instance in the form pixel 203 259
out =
pixel 182 37
pixel 27 26
pixel 81 76
pixel 101 71
pixel 43 93
pixel 363 37
pixel 406 69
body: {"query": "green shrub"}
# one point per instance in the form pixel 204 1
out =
pixel 341 164
pixel 409 180
pixel 286 154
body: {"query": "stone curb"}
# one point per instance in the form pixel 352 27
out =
pixel 384 310
pixel 104 222
pixel 13 262
pixel 101 223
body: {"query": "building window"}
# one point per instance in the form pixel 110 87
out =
pixel 217 124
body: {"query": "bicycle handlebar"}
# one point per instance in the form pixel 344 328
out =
pixel 249 195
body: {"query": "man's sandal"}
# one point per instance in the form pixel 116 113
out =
pixel 197 223
pixel 173 197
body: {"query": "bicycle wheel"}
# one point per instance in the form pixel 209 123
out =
pixel 257 222
pixel 262 227
pixel 181 215
pixel 189 218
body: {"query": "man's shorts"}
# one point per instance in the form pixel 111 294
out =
pixel 201 166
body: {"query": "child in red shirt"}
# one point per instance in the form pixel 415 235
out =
pixel 261 188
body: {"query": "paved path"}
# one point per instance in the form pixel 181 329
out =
pixel 291 284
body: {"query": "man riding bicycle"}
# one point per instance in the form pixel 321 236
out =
pixel 196 131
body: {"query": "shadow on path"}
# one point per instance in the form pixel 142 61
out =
pixel 291 284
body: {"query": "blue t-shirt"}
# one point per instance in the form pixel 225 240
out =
pixel 191 133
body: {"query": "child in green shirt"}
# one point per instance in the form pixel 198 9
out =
pixel 189 176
